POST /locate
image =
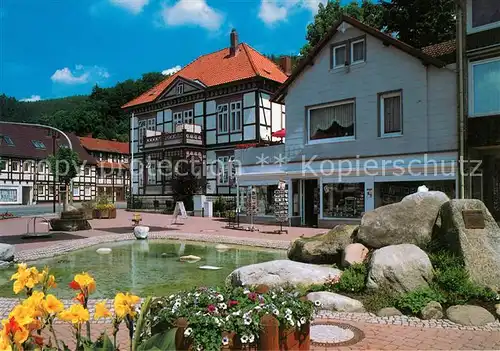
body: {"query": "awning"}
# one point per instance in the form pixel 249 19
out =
pixel 279 133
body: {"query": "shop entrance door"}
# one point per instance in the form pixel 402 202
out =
pixel 311 202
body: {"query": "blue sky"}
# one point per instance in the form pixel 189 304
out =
pixel 55 48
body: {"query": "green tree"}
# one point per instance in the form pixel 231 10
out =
pixel 65 165
pixel 420 22
pixel 367 12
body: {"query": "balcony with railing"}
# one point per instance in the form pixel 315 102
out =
pixel 184 135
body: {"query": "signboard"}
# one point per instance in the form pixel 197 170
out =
pixel 281 205
pixel 251 202
pixel 179 209
pixel 473 219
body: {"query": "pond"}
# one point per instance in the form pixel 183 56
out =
pixel 146 267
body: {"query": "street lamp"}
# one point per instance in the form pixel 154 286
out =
pixel 70 145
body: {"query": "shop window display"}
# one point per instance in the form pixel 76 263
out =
pixel 343 200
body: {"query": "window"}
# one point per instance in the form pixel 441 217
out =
pixel 177 118
pixel 27 166
pixel 144 125
pixel 222 118
pixel 343 200
pixel 3 165
pixel 51 190
pixel 15 166
pixel 40 190
pixel 334 121
pixel 88 190
pixel 152 173
pixel 485 87
pixel 38 144
pixel 391 114
pixel 180 89
pixel 358 51
pixel 339 56
pixel 86 171
pixel 188 117
pixel 8 140
pixel 223 169
pixel 41 167
pixel 235 121
pixel 485 12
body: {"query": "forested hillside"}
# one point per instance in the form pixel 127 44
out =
pixel 99 113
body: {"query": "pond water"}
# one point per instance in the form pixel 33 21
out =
pixel 145 267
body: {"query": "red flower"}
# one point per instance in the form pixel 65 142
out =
pixel 74 285
pixel 38 340
pixel 232 303
pixel 252 296
pixel 12 327
pixel 211 308
pixel 80 298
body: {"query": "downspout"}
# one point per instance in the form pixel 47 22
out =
pixel 131 164
pixel 461 80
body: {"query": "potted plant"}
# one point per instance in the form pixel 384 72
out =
pixel 104 208
pixel 235 319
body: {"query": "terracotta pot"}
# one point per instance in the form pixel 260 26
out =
pixel 272 337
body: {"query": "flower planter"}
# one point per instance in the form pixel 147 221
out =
pixel 102 214
pixel 112 213
pixel 271 337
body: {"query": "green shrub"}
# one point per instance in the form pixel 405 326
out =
pixel 220 205
pixel 414 301
pixel 444 260
pixel 378 299
pixel 352 280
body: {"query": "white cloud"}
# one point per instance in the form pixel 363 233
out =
pixel 84 75
pixel 273 11
pixel 172 70
pixel 32 98
pixel 133 6
pixel 192 12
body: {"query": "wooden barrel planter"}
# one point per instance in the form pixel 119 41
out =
pixel 112 212
pixel 271 337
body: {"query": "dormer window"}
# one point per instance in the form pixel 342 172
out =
pixel 349 52
pixel 38 144
pixel 358 51
pixel 180 89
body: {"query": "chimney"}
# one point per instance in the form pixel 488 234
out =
pixel 233 43
pixel 286 64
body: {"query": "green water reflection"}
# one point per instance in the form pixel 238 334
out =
pixel 145 267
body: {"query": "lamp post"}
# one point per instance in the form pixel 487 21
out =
pixel 54 136
pixel 461 34
pixel 70 145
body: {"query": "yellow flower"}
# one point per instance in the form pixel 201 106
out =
pixel 101 311
pixel 35 303
pixel 125 305
pixel 85 280
pixel 52 305
pixel 22 314
pixel 75 314
pixel 25 277
pixel 14 330
pixel 5 344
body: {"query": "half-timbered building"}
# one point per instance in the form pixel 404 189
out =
pixel 201 113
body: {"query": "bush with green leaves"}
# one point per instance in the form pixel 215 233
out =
pixel 414 301
pixel 352 280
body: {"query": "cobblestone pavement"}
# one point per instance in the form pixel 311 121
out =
pixel 396 333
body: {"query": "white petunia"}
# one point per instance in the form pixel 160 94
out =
pixel 178 301
pixel 199 348
pixel 223 306
pixel 298 324
pixel 188 332
pixel 303 320
pixel 220 298
pixel 317 303
pixel 247 321
pixel 171 297
pixel 196 294
pixel 273 296
pixel 244 339
pixel 258 308
pixel 251 338
pixel 237 313
pixel 276 312
pixel 225 341
pixel 288 312
pixel 291 322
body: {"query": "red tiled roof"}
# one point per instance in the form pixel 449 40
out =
pixel 441 49
pixel 22 136
pixel 105 145
pixel 219 68
pixel 114 165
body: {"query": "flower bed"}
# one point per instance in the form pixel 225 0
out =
pixel 7 215
pixel 235 319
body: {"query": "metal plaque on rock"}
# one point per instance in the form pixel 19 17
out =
pixel 473 219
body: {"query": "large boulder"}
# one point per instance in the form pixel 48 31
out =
pixel 281 272
pixel 401 268
pixel 141 232
pixel 480 248
pixel 322 248
pixel 410 221
pixel 7 252
pixel 354 253
pixel 469 315
pixel 336 302
pixel 433 310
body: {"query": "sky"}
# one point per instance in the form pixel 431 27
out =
pixel 56 48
